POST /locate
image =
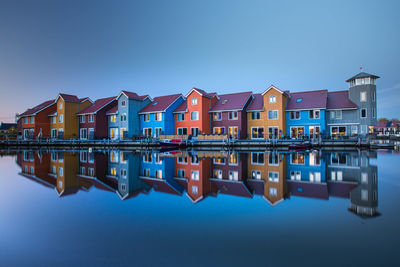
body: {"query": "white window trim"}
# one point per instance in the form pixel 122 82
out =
pixel 255 163
pixel 366 113
pixel 194 112
pixel 177 130
pixel 214 116
pixel 251 115
pixel 257 138
pixel 277 114
pixel 233 119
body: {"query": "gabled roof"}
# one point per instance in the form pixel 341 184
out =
pixel 113 110
pixel 132 95
pixel 202 92
pixel 182 107
pixel 160 103
pixel 257 103
pixel 97 105
pixel 236 101
pixel 229 187
pixel 163 185
pixel 73 98
pixel 339 100
pixel 276 88
pixel 362 75
pixel 38 108
pixel 308 99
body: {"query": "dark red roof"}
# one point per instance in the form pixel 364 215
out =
pixel 113 110
pixel 162 185
pixel 97 105
pixel 39 107
pixel 235 188
pixel 339 100
pixel 132 95
pixel 160 103
pixel 257 103
pixel 257 186
pixel 204 93
pixel 309 99
pixel 236 101
pixel 182 107
pixel 73 98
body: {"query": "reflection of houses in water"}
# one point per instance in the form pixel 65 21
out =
pixel 353 171
pixel 267 173
pixel 229 175
pixel 158 173
pixel 124 168
pixel 193 174
pixel 35 166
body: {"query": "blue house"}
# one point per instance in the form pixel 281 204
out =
pixel 157 118
pixel 306 114
pixel 158 173
pixel 124 120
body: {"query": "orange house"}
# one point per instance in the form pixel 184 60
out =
pixel 267 114
pixel 192 116
pixel 64 123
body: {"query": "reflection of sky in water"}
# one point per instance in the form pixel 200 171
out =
pixel 97 228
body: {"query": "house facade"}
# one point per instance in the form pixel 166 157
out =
pixel 266 114
pixel 35 121
pixel 228 115
pixel 127 114
pixel 93 121
pixel 64 123
pixel 157 117
pixel 306 114
pixel 192 116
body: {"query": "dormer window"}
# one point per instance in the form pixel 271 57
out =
pixel 194 101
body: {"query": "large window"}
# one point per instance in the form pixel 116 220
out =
pixel 257 132
pixel 315 177
pixel 314 114
pixel 182 131
pixel 255 115
pixel 338 131
pixel 297 132
pixel 194 116
pixel 297 158
pixel 147 132
pixel 217 116
pixel 272 114
pixel 180 116
pixel 219 130
pixel 257 158
pixel 233 115
pixel 83 133
pixel 295 115
pixel 113 118
pixel 273 132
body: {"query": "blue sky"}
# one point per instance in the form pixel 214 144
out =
pixel 97 48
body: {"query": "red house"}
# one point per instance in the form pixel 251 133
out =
pixel 34 122
pixel 192 116
pixel 93 121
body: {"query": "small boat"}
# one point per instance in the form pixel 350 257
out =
pixel 300 146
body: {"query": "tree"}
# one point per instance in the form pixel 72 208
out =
pixel 383 120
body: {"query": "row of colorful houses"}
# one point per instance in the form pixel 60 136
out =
pixel 246 115
pixel 271 175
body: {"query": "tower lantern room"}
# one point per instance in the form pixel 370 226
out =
pixel 361 79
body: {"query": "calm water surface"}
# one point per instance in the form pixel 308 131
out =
pixel 80 208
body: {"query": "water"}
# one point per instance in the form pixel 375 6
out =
pixel 196 209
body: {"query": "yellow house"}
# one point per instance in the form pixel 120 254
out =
pixel 266 114
pixel 267 171
pixel 64 123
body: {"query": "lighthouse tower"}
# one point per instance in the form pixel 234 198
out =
pixel 362 91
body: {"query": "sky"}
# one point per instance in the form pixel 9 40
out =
pixel 98 48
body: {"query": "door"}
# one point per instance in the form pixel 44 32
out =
pixel 233 132
pixel 314 131
pixel 273 132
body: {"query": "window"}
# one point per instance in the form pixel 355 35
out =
pixel 26 120
pixel 82 119
pixel 91 118
pixel 298 100
pixel 113 118
pixel 182 160
pixel 364 195
pixel 315 159
pixel 273 191
pixel 255 115
pixel 256 175
pixel 257 158
pixel 233 115
pixel 158 131
pixel 233 158
pixel 257 132
pixel 83 133
pixel 113 171
pixel 219 161
pixel 123 117
pixel 295 115
pixel 195 189
pixel 123 187
pixel 295 175
pixel 146 117
pixel 91 172
pixel 363 113
pixel 194 160
pixel 217 116
pixel 364 178
pixel 60 171
pixel 272 99
pixel 147 132
pixel 218 174
pixel 194 131
pixel 194 116
pixel 91 133
pixel 53 119
pixel 159 174
pixel 158 116
pixel 194 101
pixel 373 113
pixel 336 175
pixel 148 158
pixel 219 130
pixel 32 119
pixel 182 131
pixel 338 159
pixel 363 96
pixel 297 158
pixel 180 173
pixel 180 116
pixel 83 156
pixel 123 103
pixel 123 173
pixel 273 177
pixel 363 129
pixel 194 175
pixel 336 115
pixel 146 172
pixel 60 118
pixel 91 157
pixel 272 114
pixel 313 114
pixel 273 159
pixel 60 105
pixel 82 170
pixel 315 177
pixel 338 131
pixel 233 175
